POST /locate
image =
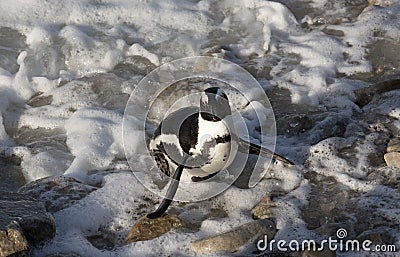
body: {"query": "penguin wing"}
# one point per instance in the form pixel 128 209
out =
pixel 257 149
pixel 183 124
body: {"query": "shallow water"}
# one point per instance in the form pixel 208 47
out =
pixel 65 78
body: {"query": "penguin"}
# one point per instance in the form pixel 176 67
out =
pixel 197 140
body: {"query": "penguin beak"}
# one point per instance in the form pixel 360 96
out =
pixel 205 106
pixel 204 98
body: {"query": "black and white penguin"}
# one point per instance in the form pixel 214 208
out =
pixel 197 141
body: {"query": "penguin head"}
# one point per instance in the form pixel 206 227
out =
pixel 214 104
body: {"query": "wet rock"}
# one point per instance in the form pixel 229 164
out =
pixel 381 2
pixel 379 236
pixel 38 100
pixel 58 192
pixel 133 65
pixel 23 219
pixel 13 242
pixel 366 94
pixel 263 209
pixel 11 176
pixel 146 229
pixel 63 255
pixel 324 253
pixel 325 127
pixel 107 88
pixel 393 159
pixel 102 241
pixel 236 238
pixel 328 201
pixel 334 32
pixel 388 176
pixel 294 124
pixel 393 145
pixel 329 229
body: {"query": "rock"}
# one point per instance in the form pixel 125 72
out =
pixel 334 32
pixel 11 176
pixel 380 235
pixel 12 241
pixel 364 95
pixel 392 159
pixel 393 145
pixel 388 176
pixel 107 88
pixel 146 229
pixel 22 219
pixel 63 255
pixel 38 100
pixel 381 2
pixel 57 192
pixel 324 253
pixel 263 209
pixel 234 239
pixel 293 124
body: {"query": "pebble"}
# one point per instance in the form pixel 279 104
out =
pixel 146 229
pixel 236 238
pixel 13 242
pixel 22 220
pixel 263 209
pixel 392 159
pixel 334 32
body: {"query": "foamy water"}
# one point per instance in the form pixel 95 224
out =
pixel 67 69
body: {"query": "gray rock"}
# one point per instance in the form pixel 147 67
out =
pixel 334 32
pixel 63 255
pixel 324 253
pixel 366 94
pixel 236 238
pixel 381 2
pixel 57 192
pixel 393 159
pixel 23 219
pixel 388 176
pixel 38 100
pixel 293 124
pixel 11 176
pixel 393 145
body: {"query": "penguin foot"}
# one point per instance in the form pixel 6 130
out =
pixel 199 179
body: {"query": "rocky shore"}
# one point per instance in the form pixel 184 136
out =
pixel 63 91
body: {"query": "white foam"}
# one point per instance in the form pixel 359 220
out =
pixel 139 50
pixel 94 138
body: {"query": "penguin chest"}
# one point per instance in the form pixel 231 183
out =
pixel 208 144
pixel 212 150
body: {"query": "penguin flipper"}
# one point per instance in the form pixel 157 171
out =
pixel 257 149
pixel 170 192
